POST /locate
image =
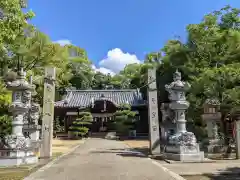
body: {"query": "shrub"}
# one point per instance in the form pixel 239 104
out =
pixel 124 120
pixel 80 127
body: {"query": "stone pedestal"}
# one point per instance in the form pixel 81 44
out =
pixel 33 132
pixel 184 153
pixel 15 157
pixel 181 146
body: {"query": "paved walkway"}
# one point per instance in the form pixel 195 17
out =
pixel 100 159
pixel 219 167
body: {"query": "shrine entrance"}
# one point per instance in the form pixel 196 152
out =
pixel 103 115
pixel 102 104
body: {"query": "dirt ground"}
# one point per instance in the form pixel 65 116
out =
pixel 197 178
pixel 63 146
pixel 137 143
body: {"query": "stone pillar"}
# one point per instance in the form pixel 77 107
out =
pixel 153 113
pixel 48 112
pixel 182 146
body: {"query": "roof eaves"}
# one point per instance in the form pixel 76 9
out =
pixel 103 90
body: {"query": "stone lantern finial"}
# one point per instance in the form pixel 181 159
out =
pixel 177 76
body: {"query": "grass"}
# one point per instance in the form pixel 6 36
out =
pixel 19 173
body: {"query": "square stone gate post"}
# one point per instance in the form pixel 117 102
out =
pixel 153 113
pixel 48 112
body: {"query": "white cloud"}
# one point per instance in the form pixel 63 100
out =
pixel 63 42
pixel 103 70
pixel 116 60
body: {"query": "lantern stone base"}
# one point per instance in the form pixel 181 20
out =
pixel 213 146
pixel 11 157
pixel 184 153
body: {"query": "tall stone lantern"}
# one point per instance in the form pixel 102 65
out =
pixel 17 148
pixel 212 117
pixel 182 146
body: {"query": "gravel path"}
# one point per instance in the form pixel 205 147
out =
pixel 100 159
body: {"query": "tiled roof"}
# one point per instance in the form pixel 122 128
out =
pixel 84 98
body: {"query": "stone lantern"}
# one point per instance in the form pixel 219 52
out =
pixel 182 145
pixel 211 116
pixel 17 148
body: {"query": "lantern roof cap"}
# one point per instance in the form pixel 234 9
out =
pixel 212 101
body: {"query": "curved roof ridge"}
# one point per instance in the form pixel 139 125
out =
pixel 101 90
pixel 83 98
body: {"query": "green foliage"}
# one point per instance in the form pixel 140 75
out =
pixel 13 22
pixel 124 119
pixel 56 125
pixel 5 126
pixel 5 99
pixel 79 127
pixel 208 60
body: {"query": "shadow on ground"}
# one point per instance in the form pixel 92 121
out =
pixel 226 174
pixel 130 152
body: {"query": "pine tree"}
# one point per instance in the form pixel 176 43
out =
pixel 80 126
pixel 57 127
pixel 124 120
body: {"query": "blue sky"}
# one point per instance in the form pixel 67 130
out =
pixel 134 27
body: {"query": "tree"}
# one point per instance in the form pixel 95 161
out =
pixel 80 67
pixel 124 119
pixel 57 126
pixel 79 127
pixel 13 20
pixel 5 126
pixel 209 60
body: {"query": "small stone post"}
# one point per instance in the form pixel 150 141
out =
pixel 153 113
pixel 48 112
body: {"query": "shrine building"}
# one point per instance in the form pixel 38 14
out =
pixel 102 104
